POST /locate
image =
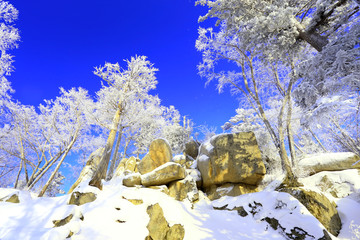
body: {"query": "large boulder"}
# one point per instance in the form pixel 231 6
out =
pixel 329 162
pixel 163 175
pixel 231 158
pixel 159 154
pixel 319 206
pixel 229 189
pixel 88 171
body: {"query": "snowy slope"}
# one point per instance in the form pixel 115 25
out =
pixel 112 216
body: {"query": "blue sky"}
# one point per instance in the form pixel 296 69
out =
pixel 62 42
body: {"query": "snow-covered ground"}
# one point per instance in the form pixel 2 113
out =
pixel 112 216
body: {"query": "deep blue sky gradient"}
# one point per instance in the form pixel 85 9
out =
pixel 62 42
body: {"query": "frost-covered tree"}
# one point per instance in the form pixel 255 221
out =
pixel 133 82
pixel 272 42
pixel 142 118
pixel 255 81
pixel 9 37
pixel 34 142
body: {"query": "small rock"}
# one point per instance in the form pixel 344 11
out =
pixel 62 222
pixel 14 198
pixel 79 198
pixel 135 201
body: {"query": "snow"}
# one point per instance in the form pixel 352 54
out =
pixel 324 158
pixel 113 216
pixel 281 206
pixel 32 219
pixel 203 158
pixel 345 183
pixel 208 146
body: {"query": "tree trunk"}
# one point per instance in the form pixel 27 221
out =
pixel 113 161
pixel 318 140
pixel 314 39
pixel 290 179
pixel 18 175
pixel 57 167
pixel 36 177
pixel 104 162
pixel 290 133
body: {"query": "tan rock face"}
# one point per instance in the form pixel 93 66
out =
pixel 184 189
pixel 319 206
pixel 176 232
pixel 157 226
pixel 229 189
pixel 130 164
pixel 231 158
pixel 163 175
pixel 120 168
pixel 126 165
pixel 132 180
pixel 159 154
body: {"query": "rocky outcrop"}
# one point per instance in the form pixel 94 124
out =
pixel 79 198
pixel 132 180
pixel 159 154
pixel 319 206
pixel 88 171
pixel 329 162
pixel 231 158
pixel 184 189
pixel 229 189
pixel 163 175
pixel 159 228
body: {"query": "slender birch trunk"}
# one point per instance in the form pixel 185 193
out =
pixel 58 166
pixel 317 140
pixel 42 171
pixel 104 162
pixel 113 161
